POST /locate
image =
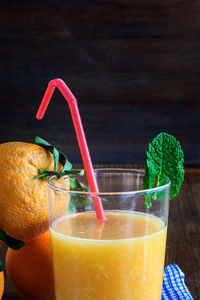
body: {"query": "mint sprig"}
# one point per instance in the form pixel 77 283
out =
pixel 58 156
pixel 164 158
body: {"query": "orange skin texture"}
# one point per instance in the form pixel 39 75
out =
pixel 30 269
pixel 1 284
pixel 23 199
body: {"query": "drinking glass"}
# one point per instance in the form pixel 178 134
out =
pixel 119 259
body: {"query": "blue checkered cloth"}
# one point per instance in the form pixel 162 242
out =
pixel 174 287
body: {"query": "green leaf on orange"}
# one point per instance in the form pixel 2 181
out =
pixel 10 241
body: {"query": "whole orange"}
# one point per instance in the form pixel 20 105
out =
pixel 30 269
pixel 23 199
pixel 1 284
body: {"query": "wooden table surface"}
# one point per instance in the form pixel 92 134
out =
pixel 183 244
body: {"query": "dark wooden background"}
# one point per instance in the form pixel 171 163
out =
pixel 134 67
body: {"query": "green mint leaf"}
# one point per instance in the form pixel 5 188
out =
pixel 1 266
pixel 147 186
pixel 164 158
pixel 10 241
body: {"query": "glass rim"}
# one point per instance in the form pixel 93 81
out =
pixel 115 170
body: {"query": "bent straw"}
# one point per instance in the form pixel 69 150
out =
pixel 98 231
pixel 65 91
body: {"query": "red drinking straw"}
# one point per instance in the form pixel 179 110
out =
pixel 65 91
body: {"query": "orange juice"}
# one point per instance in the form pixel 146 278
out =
pixel 125 264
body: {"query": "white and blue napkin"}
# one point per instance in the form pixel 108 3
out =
pixel 174 287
